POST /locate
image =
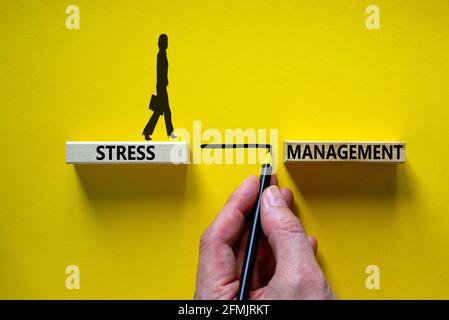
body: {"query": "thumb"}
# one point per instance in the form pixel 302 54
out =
pixel 285 234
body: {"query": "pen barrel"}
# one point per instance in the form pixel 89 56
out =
pixel 253 237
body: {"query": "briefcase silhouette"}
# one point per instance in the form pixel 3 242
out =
pixel 153 103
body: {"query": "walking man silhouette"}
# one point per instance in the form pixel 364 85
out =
pixel 163 107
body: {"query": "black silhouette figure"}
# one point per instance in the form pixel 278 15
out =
pixel 163 107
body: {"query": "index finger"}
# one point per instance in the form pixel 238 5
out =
pixel 228 224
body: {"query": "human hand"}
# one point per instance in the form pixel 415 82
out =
pixel 285 268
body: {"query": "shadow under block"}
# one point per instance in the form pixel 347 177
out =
pixel 127 152
pixel 344 151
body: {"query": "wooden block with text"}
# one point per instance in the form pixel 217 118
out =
pixel 342 151
pixel 104 152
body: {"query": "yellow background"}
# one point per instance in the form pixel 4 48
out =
pixel 308 68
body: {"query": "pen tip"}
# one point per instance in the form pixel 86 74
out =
pixel 267 158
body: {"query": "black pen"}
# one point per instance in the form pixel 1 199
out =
pixel 254 217
pixel 254 233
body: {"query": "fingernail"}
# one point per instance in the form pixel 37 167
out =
pixel 274 197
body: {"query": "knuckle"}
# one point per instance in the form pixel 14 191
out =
pixel 205 238
pixel 290 225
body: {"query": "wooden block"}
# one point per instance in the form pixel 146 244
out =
pixel 355 151
pixel 127 152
